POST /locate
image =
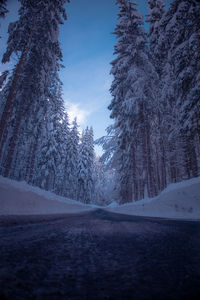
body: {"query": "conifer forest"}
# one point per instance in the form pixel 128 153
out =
pixel 77 222
pixel 154 136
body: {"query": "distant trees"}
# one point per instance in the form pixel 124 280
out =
pixel 155 98
pixel 105 190
pixel 72 161
pixel 85 167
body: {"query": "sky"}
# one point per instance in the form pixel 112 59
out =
pixel 87 45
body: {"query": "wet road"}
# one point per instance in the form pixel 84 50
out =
pixel 98 255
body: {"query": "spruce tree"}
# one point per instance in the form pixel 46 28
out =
pixel 157 54
pixel 181 25
pixel 63 173
pixel 132 105
pixel 85 167
pixel 73 160
pixel 155 98
pixel 34 37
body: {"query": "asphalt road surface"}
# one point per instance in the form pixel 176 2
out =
pixel 98 255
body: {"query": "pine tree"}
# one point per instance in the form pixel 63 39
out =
pixel 85 167
pixel 155 98
pixel 49 157
pixel 63 173
pixel 53 141
pixel 73 160
pixel 158 56
pixel 34 38
pixel 181 24
pixel 132 104
pixel 185 57
pixel 156 12
pixel 104 183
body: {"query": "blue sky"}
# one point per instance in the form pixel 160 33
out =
pixel 87 44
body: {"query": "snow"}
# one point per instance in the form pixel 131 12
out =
pixel 179 201
pixel 19 198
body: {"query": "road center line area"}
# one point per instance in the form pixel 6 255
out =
pixel 98 255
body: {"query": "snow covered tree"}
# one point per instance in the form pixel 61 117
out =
pixel 34 38
pixel 85 167
pixel 156 11
pixel 109 165
pixel 156 114
pixel 180 90
pixel 104 183
pixel 158 55
pixel 132 106
pixel 48 158
pixel 63 139
pixel 73 161
pixel 52 144
pixel 185 58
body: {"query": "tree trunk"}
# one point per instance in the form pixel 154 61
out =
pixel 12 93
pixel 14 137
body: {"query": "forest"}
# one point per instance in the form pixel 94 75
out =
pixel 154 139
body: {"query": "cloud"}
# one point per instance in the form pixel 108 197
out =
pixel 86 93
pixel 74 111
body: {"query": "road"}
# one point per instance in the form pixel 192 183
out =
pixel 99 255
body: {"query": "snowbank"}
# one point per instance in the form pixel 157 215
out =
pixel 180 200
pixel 19 198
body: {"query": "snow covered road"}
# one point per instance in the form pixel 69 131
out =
pixel 98 255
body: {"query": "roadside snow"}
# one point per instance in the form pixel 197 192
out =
pixel 19 198
pixel 179 200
